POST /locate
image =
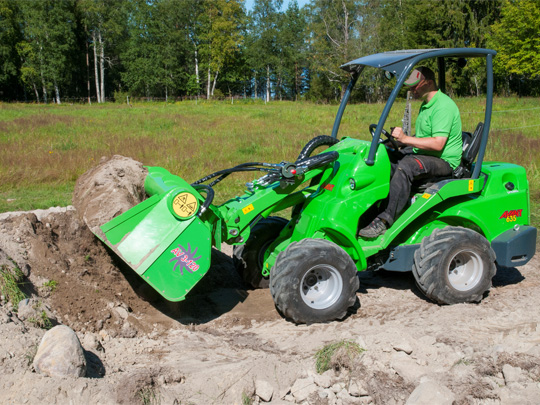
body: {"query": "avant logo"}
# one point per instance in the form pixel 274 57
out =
pixel 185 259
pixel 511 216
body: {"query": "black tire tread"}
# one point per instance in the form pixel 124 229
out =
pixel 245 256
pixel 427 259
pixel 281 277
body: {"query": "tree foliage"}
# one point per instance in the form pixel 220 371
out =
pixel 171 48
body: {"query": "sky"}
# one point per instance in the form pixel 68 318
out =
pixel 301 3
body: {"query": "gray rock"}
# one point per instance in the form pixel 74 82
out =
pixel 403 347
pixel 90 341
pixel 31 309
pixel 527 395
pixel 264 390
pixel 337 387
pixel 407 367
pixel 60 354
pixel 358 388
pixel 429 393
pixel 121 312
pixel 512 374
pixel 303 388
pixel 325 380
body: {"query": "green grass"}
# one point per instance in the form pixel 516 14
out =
pixel 9 285
pixel 45 148
pixel 337 355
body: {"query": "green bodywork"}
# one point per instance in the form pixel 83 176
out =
pixel 154 242
pixel 167 239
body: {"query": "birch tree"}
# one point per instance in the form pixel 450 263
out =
pixel 48 33
pixel 222 37
pixel 105 21
pixel 264 49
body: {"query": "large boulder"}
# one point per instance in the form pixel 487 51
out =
pixel 60 354
pixel 111 188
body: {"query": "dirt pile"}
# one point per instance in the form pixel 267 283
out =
pixel 108 190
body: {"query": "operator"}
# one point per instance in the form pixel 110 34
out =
pixel 436 148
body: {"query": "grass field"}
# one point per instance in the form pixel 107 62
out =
pixel 45 148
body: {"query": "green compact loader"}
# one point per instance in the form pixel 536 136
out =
pixel 451 235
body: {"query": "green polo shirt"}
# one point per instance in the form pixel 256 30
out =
pixel 440 117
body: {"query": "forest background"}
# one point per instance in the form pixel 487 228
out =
pixel 98 50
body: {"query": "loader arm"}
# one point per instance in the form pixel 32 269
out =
pixel 167 239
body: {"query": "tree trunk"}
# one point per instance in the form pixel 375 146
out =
pixel 214 84
pixel 295 81
pixel 197 70
pixel 102 66
pixel 44 88
pixel 208 85
pixel 255 81
pixel 96 72
pixel 57 92
pixel 87 69
pixel 267 83
pixel 36 91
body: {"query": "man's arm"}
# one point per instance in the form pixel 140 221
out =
pixel 435 143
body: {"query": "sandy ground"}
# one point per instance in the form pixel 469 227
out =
pixel 224 341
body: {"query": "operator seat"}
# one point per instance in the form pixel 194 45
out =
pixel 471 145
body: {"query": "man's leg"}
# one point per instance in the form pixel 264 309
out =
pixel 409 169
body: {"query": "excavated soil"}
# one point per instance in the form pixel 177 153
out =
pixel 224 339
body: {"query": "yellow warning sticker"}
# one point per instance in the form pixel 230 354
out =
pixel 185 205
pixel 426 196
pixel 471 185
pixel 248 209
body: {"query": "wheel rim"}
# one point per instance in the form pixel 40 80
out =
pixel 321 286
pixel 465 271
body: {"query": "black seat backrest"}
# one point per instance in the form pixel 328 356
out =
pixel 471 145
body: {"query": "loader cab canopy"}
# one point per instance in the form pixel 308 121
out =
pixel 400 64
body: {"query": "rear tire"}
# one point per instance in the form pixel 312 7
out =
pixel 454 265
pixel 249 257
pixel 314 280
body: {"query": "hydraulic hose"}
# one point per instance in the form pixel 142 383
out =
pixel 209 196
pixel 314 144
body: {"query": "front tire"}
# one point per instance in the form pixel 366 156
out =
pixel 313 280
pixel 249 257
pixel 454 265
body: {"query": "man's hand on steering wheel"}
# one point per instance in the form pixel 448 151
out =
pixel 389 137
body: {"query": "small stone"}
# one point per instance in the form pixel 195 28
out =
pixel 512 374
pixel 121 312
pixel 128 331
pixel 4 318
pixel 407 367
pixel 264 390
pixel 358 389
pixel 403 347
pixel 429 393
pixel 60 354
pixel 91 342
pixel 337 387
pixel 324 380
pixel 303 388
pixel 26 270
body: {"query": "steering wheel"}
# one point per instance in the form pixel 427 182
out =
pixel 388 136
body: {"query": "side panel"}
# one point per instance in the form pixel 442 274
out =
pixel 501 212
pixel 333 211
